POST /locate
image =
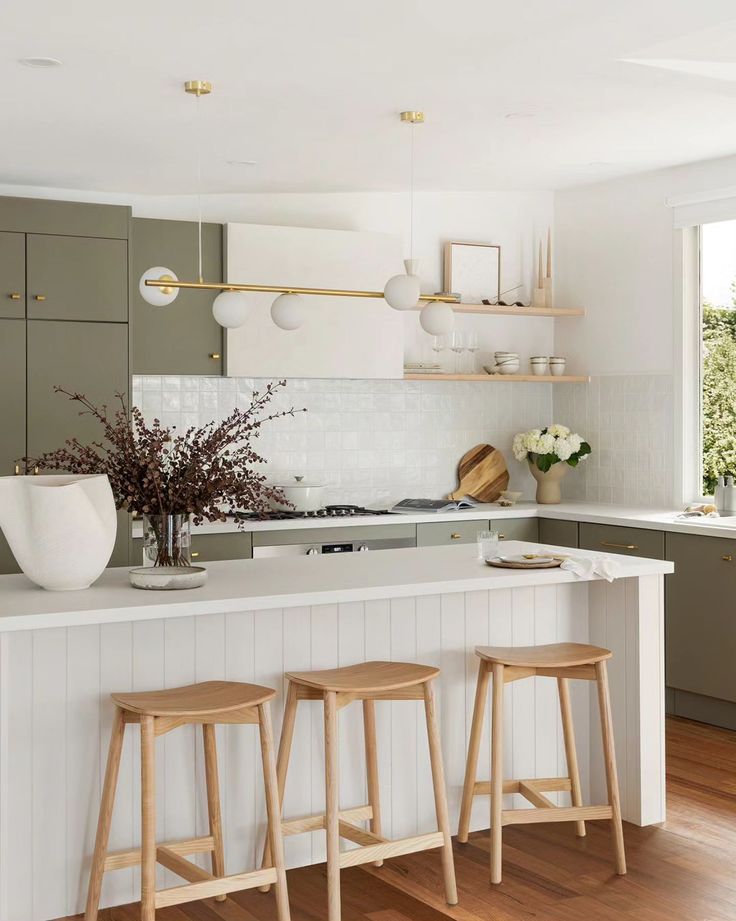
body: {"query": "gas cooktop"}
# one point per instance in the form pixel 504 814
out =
pixel 329 511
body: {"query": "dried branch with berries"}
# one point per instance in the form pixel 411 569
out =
pixel 155 471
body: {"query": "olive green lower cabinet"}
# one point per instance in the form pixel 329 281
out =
pixel 558 533
pixel 611 538
pixel 206 548
pixel 438 533
pixel 700 632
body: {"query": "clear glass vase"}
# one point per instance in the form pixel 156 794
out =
pixel 167 540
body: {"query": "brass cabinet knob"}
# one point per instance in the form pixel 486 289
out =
pixel 16 470
pixel 455 535
pixel 39 297
pixel 215 356
pixel 14 295
pixel 502 537
pixel 195 554
pixel 727 558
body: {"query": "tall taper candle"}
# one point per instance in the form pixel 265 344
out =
pixel 549 252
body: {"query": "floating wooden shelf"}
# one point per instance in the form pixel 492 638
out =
pixel 505 378
pixel 482 309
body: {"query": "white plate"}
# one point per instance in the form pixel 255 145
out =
pixel 520 558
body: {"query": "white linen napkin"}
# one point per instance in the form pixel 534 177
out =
pixel 586 566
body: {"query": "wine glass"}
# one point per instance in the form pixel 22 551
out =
pixel 457 345
pixel 471 344
pixel 439 345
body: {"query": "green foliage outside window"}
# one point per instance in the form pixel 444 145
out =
pixel 719 393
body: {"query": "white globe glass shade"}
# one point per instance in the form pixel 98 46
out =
pixel 402 292
pixel 287 311
pixel 231 309
pixel 437 319
pixel 157 297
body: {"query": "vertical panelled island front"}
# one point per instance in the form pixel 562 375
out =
pixel 62 654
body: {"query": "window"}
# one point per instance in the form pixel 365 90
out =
pixel 717 379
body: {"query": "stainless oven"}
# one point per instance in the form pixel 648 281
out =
pixel 361 545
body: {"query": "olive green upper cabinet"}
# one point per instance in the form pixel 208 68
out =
pixel 182 338
pixel 77 278
pixel 12 411
pixel 12 275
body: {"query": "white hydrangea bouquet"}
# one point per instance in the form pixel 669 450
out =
pixel 550 452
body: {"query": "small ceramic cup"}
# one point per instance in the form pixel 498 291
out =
pixel 539 364
pixel 557 366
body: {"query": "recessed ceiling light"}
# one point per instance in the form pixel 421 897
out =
pixel 520 115
pixel 40 62
pixel 242 162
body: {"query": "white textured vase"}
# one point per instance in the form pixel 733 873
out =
pixel 61 529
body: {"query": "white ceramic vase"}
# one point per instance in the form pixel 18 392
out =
pixel 61 529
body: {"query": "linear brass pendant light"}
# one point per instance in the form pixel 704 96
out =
pixel 160 286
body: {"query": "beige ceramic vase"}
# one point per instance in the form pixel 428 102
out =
pixel 548 484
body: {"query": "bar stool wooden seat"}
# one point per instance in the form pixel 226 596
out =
pixel 159 712
pixel 336 688
pixel 561 661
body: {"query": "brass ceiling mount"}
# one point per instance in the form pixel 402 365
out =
pixel 198 87
pixel 414 118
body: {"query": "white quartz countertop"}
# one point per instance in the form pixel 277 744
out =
pixel 247 585
pixel 657 519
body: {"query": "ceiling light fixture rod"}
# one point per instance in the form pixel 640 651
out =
pixel 279 289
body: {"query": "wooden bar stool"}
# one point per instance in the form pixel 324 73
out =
pixel 337 688
pixel 159 712
pixel 561 661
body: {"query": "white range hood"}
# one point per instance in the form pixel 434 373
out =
pixel 342 337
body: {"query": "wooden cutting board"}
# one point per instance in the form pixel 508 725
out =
pixel 481 474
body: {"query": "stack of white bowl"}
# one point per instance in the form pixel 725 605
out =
pixel 557 366
pixel 507 362
pixel 539 364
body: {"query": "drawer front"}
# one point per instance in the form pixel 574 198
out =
pixel 335 535
pixel 558 533
pixel 207 548
pixel 608 538
pixel 438 533
pixel 515 528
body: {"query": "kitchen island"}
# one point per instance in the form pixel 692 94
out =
pixel 62 654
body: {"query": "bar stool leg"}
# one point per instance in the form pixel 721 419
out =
pixel 273 810
pixel 604 704
pixel 496 772
pixel 571 754
pixel 371 763
pixel 332 804
pixel 471 766
pixel 213 802
pixel 282 762
pixel 107 803
pixel 148 820
pixel 440 792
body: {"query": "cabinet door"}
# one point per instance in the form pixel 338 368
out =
pixel 184 337
pixel 558 533
pixel 12 411
pixel 12 274
pixel 436 533
pixel 207 547
pixel 89 358
pixel 608 538
pixel 700 631
pixel 77 278
pixel 516 528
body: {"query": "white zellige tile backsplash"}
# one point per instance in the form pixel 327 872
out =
pixel 372 442
pixel 628 420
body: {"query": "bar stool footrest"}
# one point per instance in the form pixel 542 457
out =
pixel 555 814
pixel 215 886
pixel 317 822
pixel 538 784
pixel 373 852
pixel 121 860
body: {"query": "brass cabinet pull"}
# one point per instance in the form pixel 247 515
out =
pixel 16 470
pixel 727 558
pixel 502 537
pixel 605 543
pixel 39 297
pixel 195 554
pixel 215 356
pixel 455 536
pixel 36 470
pixel 14 296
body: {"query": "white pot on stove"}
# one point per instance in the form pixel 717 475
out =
pixel 302 495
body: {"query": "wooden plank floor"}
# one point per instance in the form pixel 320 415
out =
pixel 683 871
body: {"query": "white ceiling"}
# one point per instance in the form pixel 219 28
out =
pixel 532 94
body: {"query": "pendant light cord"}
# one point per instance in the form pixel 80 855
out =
pixel 411 192
pixel 199 190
